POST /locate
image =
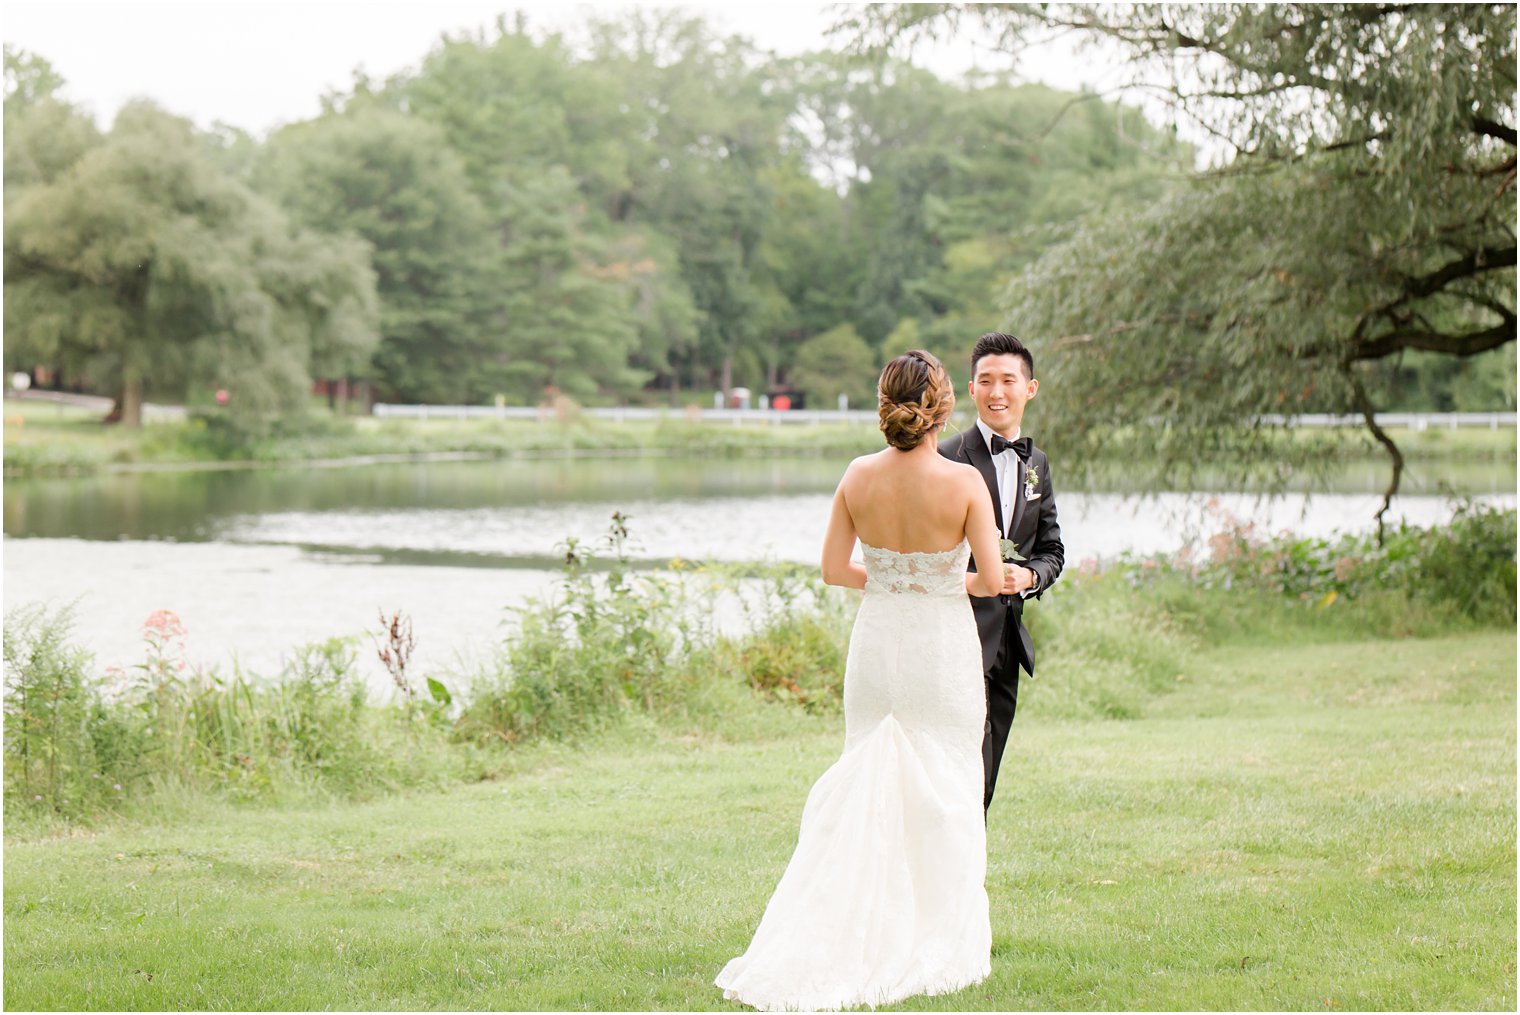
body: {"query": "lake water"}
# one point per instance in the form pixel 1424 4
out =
pixel 256 562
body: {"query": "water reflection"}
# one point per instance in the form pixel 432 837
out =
pixel 198 506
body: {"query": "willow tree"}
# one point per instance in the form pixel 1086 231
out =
pixel 1365 206
pixel 143 268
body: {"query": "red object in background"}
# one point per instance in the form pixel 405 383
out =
pixel 222 396
pixel 782 403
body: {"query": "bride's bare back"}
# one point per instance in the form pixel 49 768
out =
pixel 911 502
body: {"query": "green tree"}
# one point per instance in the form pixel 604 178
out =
pixel 594 298
pixel 566 323
pixel 141 267
pixel 393 181
pixel 705 127
pixel 833 363
pixel 44 135
pixel 1366 208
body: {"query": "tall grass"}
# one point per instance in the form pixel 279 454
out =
pixel 612 642
pixel 608 642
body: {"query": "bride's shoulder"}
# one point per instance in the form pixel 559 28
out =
pixel 860 469
pixel 866 463
pixel 961 471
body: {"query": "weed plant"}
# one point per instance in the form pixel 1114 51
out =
pixel 613 642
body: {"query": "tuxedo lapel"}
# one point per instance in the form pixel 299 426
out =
pixel 975 450
pixel 1018 498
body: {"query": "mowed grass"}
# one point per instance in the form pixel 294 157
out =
pixel 1309 827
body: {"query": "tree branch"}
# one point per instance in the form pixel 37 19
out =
pixel 1480 260
pixel 1469 344
pixel 1493 128
pixel 1381 436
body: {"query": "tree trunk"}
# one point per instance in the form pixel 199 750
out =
pixel 128 407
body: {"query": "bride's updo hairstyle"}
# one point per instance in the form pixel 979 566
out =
pixel 915 399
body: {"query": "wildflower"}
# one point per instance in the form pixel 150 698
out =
pixel 116 787
pixel 164 624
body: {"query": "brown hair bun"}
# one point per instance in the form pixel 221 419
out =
pixel 915 399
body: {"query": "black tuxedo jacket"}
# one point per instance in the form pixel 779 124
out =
pixel 1033 527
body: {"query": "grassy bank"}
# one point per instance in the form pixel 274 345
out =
pixel 49 440
pixel 46 439
pixel 1319 827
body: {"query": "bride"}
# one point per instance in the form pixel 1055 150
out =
pixel 884 896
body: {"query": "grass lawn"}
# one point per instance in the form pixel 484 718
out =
pixel 1316 827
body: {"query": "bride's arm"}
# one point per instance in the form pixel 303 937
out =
pixel 838 544
pixel 981 532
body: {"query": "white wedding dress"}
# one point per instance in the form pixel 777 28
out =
pixel 885 895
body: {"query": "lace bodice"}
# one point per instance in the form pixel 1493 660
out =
pixel 938 573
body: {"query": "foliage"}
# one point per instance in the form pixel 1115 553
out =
pixel 836 362
pixel 1366 208
pixel 1462 572
pixel 141 267
pixel 606 643
pixel 79 748
pixel 394 182
pixel 49 715
pixel 799 636
pixel 44 135
pixel 651 207
pixel 1429 382
pixel 566 315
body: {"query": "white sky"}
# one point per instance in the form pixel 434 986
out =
pixel 256 64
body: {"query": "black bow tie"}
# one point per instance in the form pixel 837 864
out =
pixel 1020 447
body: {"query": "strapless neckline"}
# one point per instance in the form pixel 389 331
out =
pixel 915 553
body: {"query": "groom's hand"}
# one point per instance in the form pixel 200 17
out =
pixel 1016 579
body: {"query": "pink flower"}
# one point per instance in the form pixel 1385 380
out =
pixel 164 624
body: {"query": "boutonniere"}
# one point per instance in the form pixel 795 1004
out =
pixel 1010 551
pixel 1031 482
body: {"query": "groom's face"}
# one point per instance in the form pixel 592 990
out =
pixel 1000 391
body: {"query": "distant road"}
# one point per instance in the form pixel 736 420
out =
pixel 154 411
pixel 1410 420
pixel 94 403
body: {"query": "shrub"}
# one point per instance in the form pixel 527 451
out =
pixel 585 653
pixel 1463 571
pixel 605 643
pixel 51 708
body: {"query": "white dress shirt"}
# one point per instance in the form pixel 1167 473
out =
pixel 1007 474
pixel 1007 479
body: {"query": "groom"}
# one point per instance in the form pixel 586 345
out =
pixel 1018 480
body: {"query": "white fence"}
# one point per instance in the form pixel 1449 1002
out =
pixel 621 413
pixel 1404 420
pixel 1398 420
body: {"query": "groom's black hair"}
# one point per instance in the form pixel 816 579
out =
pixel 995 343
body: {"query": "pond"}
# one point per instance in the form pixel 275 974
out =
pixel 256 562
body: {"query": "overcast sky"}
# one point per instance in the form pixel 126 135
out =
pixel 258 63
